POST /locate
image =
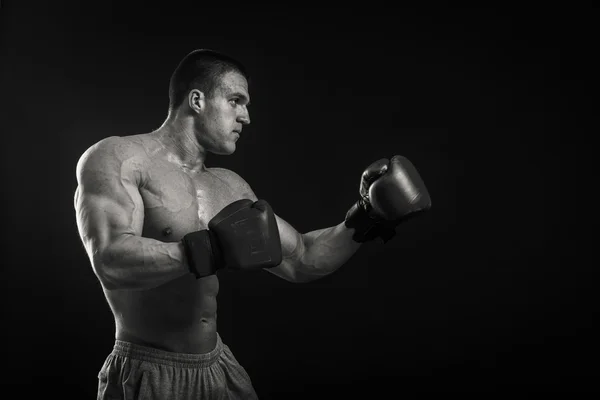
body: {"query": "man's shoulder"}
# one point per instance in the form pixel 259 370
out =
pixel 111 150
pixel 232 178
pixel 226 174
pixel 115 145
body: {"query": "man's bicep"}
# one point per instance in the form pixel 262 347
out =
pixel 291 239
pixel 107 202
pixel 292 244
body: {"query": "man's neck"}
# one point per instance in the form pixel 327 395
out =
pixel 179 140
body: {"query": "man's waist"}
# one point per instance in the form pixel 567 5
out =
pixel 197 339
pixel 191 357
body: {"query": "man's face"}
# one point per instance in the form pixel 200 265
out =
pixel 224 114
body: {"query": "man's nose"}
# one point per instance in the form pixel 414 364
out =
pixel 244 117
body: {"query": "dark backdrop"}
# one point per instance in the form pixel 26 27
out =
pixel 487 292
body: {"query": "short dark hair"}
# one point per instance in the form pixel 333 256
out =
pixel 201 69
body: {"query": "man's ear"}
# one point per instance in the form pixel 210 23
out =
pixel 196 100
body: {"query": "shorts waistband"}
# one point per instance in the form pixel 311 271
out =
pixel 181 360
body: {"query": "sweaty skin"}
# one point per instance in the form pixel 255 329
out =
pixel 139 195
pixel 181 314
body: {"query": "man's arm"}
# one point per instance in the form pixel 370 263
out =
pixel 110 215
pixel 315 254
pixel 391 192
pixel 308 256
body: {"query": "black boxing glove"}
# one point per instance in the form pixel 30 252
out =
pixel 243 235
pixel 391 191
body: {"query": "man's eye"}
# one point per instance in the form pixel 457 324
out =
pixel 234 102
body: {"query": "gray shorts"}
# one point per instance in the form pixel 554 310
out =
pixel 132 371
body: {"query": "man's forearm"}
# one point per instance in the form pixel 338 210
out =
pixel 325 250
pixel 138 263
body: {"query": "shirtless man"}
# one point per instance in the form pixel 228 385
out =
pixel 157 225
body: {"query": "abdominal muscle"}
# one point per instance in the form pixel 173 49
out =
pixel 180 316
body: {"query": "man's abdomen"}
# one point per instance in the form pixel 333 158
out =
pixel 180 316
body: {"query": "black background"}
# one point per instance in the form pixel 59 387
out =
pixel 489 292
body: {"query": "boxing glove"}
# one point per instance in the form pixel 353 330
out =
pixel 242 236
pixel 391 192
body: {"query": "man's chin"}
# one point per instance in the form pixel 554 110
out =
pixel 224 151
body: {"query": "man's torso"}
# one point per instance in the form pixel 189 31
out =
pixel 181 315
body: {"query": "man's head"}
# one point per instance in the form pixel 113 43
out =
pixel 212 88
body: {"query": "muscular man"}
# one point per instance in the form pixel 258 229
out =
pixel 157 225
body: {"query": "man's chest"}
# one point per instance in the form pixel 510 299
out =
pixel 176 202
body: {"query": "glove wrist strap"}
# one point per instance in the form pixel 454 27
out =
pixel 203 254
pixel 366 226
